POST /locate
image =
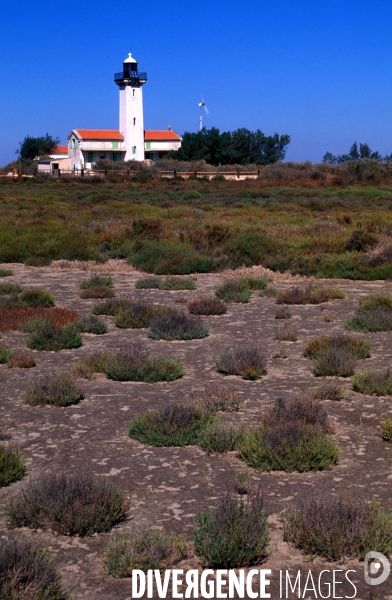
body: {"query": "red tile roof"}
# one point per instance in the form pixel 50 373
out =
pixel 161 135
pixel 99 134
pixel 60 150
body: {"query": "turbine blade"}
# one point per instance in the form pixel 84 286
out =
pixel 206 109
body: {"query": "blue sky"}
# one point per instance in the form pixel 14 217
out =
pixel 317 70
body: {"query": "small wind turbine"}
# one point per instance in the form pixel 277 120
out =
pixel 201 104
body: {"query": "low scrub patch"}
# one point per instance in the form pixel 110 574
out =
pixel 220 436
pixel 329 389
pixel 373 314
pixel 310 294
pixel 207 305
pixel 27 572
pixel 336 355
pixel 282 312
pixel 80 504
pixel 134 364
pixel 167 283
pixel 12 466
pixel 5 353
pixel 293 436
pixel 97 291
pixel 91 324
pixel 9 287
pixel 13 295
pixel 177 325
pixel 143 549
pixel 377 383
pixel 111 307
pixel 6 272
pixel 249 362
pixel 173 424
pixel 44 336
pixel 21 360
pixel 244 482
pixel 233 534
pixel 96 281
pixel 167 257
pixel 286 333
pixel 386 428
pixel 240 290
pixel 85 368
pixel 218 398
pixel 54 389
pixel 137 315
pixel 12 318
pixel 337 528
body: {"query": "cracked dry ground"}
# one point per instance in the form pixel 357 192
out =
pixel 168 486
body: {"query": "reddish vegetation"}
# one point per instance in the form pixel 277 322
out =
pixel 12 317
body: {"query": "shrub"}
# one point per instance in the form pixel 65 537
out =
pixel 177 325
pixel 111 307
pixel 148 283
pixel 328 390
pixel 97 291
pixel 329 317
pixel 44 336
pixel 360 241
pixel 168 283
pixel 303 409
pixel 286 333
pixel 96 281
pixel 36 297
pixel 270 292
pixel 91 324
pixel 27 572
pixel 21 360
pixel 12 466
pixel 133 364
pixel 336 355
pixel 85 368
pixel 143 549
pixel 386 428
pixel 172 424
pixel 247 361
pixel 282 312
pixel 373 314
pixel 12 318
pixel 280 352
pixel 255 283
pixel 234 291
pixel 207 305
pixel 5 353
pixel 248 248
pixel 166 257
pixel 6 272
pixel 218 398
pixel 55 389
pixel 233 534
pixel 311 294
pixel 137 314
pixel 339 527
pixel 243 481
pixel 78 504
pixel 220 436
pixel 377 383
pixel 9 287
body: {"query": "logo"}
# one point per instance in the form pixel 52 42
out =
pixel 372 570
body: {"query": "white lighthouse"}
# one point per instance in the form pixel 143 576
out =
pixel 130 82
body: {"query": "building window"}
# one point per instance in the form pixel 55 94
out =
pixel 90 156
pixel 102 155
pixel 133 149
pixel 134 121
pixel 116 156
pixel 114 145
pixel 148 145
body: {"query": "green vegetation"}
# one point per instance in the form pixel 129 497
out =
pixel 207 305
pixel 240 290
pixel 174 324
pixel 12 466
pixel 135 314
pixel 336 355
pixel 311 294
pixel 339 527
pixel 372 314
pixel 233 534
pixel 168 283
pixel 143 549
pixel 386 428
pixel 377 383
pixel 329 389
pixel 5 353
pixel 6 272
pixel 45 336
pixel 97 286
pixel 31 147
pixel 247 361
pixel 54 389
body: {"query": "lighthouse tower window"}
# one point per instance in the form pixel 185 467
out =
pixel 133 149
pixel 133 92
pixel 134 121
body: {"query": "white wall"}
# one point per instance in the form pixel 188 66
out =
pixel 131 121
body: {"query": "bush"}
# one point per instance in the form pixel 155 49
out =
pixel 36 297
pixel 339 527
pixel 177 325
pixel 6 272
pixel 98 291
pixel 12 466
pixel 5 353
pixel 311 294
pixel 302 409
pixel 336 355
pixel 247 361
pixel 143 549
pixel 286 333
pixel 166 257
pixel 373 314
pixel 21 360
pixel 137 314
pixel 377 383
pixel 220 436
pixel 328 390
pixel 85 368
pixel 173 424
pixel 111 307
pixel 133 364
pixel 55 389
pixel 96 281
pixel 360 241
pixel 91 324
pixel 282 312
pixel 27 573
pixel 386 428
pixel 240 290
pixel 44 336
pixel 9 287
pixel 233 534
pixel 207 305
pixel 12 318
pixel 248 248
pixel 168 283
pixel 79 504
pixel 218 398
pixel 243 481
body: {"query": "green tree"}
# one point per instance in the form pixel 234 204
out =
pixel 32 147
pixel 364 151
